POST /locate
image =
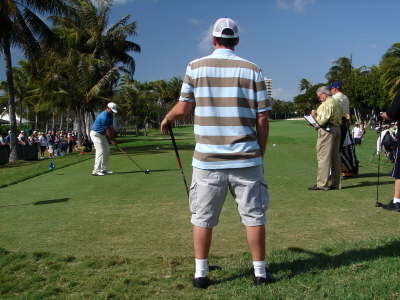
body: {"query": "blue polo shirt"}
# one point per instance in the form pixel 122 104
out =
pixel 103 121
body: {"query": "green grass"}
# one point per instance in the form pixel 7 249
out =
pixel 24 170
pixel 67 234
pixel 363 270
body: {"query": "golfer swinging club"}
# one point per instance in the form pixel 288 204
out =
pixel 100 128
pixel 231 130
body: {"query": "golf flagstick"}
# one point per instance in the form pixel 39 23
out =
pixel 178 158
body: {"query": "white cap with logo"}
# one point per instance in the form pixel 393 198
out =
pixel 225 23
pixel 113 107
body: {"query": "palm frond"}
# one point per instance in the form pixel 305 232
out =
pixel 109 79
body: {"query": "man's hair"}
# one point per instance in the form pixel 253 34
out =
pixel 324 90
pixel 227 42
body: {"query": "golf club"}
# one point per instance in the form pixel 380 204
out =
pixel 147 171
pixel 178 158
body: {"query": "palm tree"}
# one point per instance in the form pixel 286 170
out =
pixel 340 69
pixel 390 65
pixel 22 27
pixel 94 55
pixel 304 85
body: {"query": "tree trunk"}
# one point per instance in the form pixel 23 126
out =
pixel 136 129
pixel 79 124
pixel 357 115
pixel 61 121
pixel 53 125
pixel 67 120
pixel 20 112
pixel 36 120
pixel 11 100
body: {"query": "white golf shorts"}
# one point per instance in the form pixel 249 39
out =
pixel 209 188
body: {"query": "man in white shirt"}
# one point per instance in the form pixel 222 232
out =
pixel 347 148
pixel 336 89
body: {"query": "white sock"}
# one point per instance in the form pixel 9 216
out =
pixel 201 268
pixel 396 200
pixel 259 269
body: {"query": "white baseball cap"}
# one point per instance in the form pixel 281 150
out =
pixel 113 107
pixel 225 23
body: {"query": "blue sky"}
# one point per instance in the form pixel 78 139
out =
pixel 288 39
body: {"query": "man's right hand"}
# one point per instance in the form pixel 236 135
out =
pixel 164 126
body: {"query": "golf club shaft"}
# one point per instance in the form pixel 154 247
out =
pixel 130 158
pixel 178 158
pixel 379 162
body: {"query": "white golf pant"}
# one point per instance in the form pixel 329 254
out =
pixel 102 151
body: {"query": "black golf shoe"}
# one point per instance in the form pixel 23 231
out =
pixel 331 188
pixel 261 280
pixel 392 206
pixel 316 188
pixel 201 282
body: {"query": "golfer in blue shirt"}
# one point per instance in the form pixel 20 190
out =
pixel 103 122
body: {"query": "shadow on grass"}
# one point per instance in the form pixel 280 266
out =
pixel 19 163
pixel 51 201
pixel 367 183
pixel 320 262
pixel 369 175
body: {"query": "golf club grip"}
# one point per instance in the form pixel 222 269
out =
pixel 175 147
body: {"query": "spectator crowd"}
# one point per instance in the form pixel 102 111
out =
pixel 53 143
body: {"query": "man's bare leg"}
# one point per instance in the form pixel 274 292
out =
pixel 256 241
pixel 201 241
pixel 397 188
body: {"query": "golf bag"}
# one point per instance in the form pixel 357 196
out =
pixel 389 144
pixel 348 153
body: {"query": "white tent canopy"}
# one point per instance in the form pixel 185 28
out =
pixel 5 117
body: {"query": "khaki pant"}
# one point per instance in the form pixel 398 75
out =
pixel 328 156
pixel 102 151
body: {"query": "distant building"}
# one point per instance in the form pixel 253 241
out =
pixel 268 83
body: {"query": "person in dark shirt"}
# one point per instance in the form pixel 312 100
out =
pixel 393 114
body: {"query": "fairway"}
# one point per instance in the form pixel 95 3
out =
pixel 145 219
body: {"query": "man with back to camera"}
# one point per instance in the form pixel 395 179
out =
pixel 231 130
pixel 349 163
pixel 103 122
pixel 393 114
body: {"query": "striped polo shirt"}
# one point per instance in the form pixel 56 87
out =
pixel 228 91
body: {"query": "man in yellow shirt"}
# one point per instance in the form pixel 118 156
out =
pixel 329 117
